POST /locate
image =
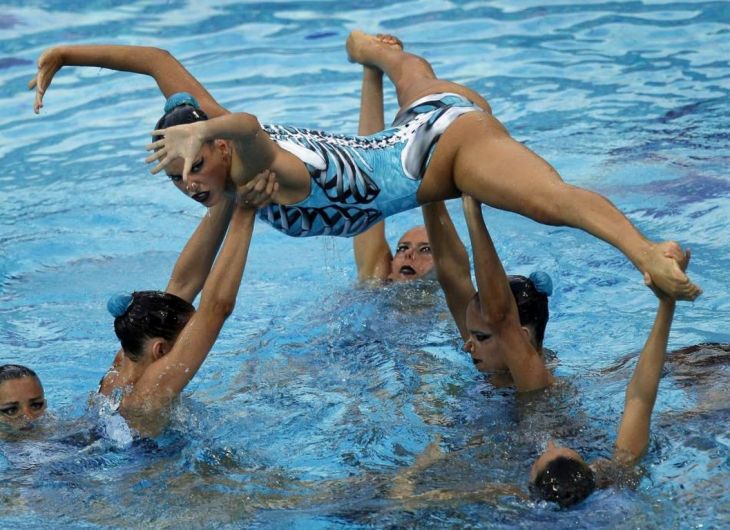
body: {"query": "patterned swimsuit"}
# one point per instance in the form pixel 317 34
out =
pixel 359 180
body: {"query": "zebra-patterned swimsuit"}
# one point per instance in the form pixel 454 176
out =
pixel 359 180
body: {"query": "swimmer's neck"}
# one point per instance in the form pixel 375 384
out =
pixel 123 375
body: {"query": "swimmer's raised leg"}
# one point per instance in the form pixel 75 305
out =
pixel 478 157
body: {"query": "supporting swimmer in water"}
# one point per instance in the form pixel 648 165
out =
pixel 164 340
pixel 22 400
pixel 412 259
pixel 327 182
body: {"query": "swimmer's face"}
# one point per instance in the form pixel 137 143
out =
pixel 481 345
pixel 551 453
pixel 21 402
pixel 413 258
pixel 208 177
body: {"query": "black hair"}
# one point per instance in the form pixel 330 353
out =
pixel 179 115
pixel 151 314
pixel 532 305
pixel 564 480
pixel 9 372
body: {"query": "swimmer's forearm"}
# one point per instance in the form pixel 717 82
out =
pixel 641 392
pixel 495 296
pixel 451 261
pixel 372 119
pixel 170 75
pixel 196 258
pixel 238 126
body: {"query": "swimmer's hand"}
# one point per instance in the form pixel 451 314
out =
pixel 259 191
pixel 49 63
pixel 181 141
pixel 665 274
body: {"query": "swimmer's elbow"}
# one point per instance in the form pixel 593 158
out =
pixel 219 309
pixel 247 125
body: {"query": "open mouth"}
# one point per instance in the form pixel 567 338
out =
pixel 201 196
pixel 407 271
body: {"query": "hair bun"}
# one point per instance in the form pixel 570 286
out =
pixel 118 304
pixel 180 98
pixel 543 283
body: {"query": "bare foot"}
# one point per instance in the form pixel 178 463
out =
pixel 665 272
pixel 363 48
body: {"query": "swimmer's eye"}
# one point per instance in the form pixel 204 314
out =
pixel 401 248
pixel 425 249
pixel 481 337
pixel 197 166
pixel 9 411
pixel 38 405
pixel 175 178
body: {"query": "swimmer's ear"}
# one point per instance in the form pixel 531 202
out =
pixel 222 146
pixel 160 348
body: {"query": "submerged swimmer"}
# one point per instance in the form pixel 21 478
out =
pixel 339 185
pixel 22 400
pixel 164 339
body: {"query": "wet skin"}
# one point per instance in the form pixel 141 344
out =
pixel 413 258
pixel 21 402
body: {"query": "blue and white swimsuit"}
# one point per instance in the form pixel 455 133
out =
pixel 359 180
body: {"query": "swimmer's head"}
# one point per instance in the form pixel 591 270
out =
pixel 561 475
pixel 22 400
pixel 531 295
pixel 147 323
pixel 208 178
pixel 413 258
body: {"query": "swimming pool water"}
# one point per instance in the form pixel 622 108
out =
pixel 318 392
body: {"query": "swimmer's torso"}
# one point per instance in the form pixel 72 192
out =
pixel 358 180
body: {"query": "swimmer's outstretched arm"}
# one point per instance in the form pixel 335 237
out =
pixel 170 75
pixel 194 263
pixel 633 432
pixel 371 250
pixel 451 262
pixel 497 303
pixel 196 259
pixel 167 376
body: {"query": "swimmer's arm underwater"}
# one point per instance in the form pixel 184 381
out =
pixel 371 250
pixel 451 262
pixel 170 75
pixel 633 432
pixel 497 303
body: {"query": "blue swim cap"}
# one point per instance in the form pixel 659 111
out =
pixel 180 98
pixel 118 304
pixel 542 281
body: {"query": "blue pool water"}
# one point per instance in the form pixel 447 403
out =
pixel 317 392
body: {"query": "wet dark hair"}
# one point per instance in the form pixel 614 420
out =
pixel 179 115
pixel 151 314
pixel 9 372
pixel 532 305
pixel 564 480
